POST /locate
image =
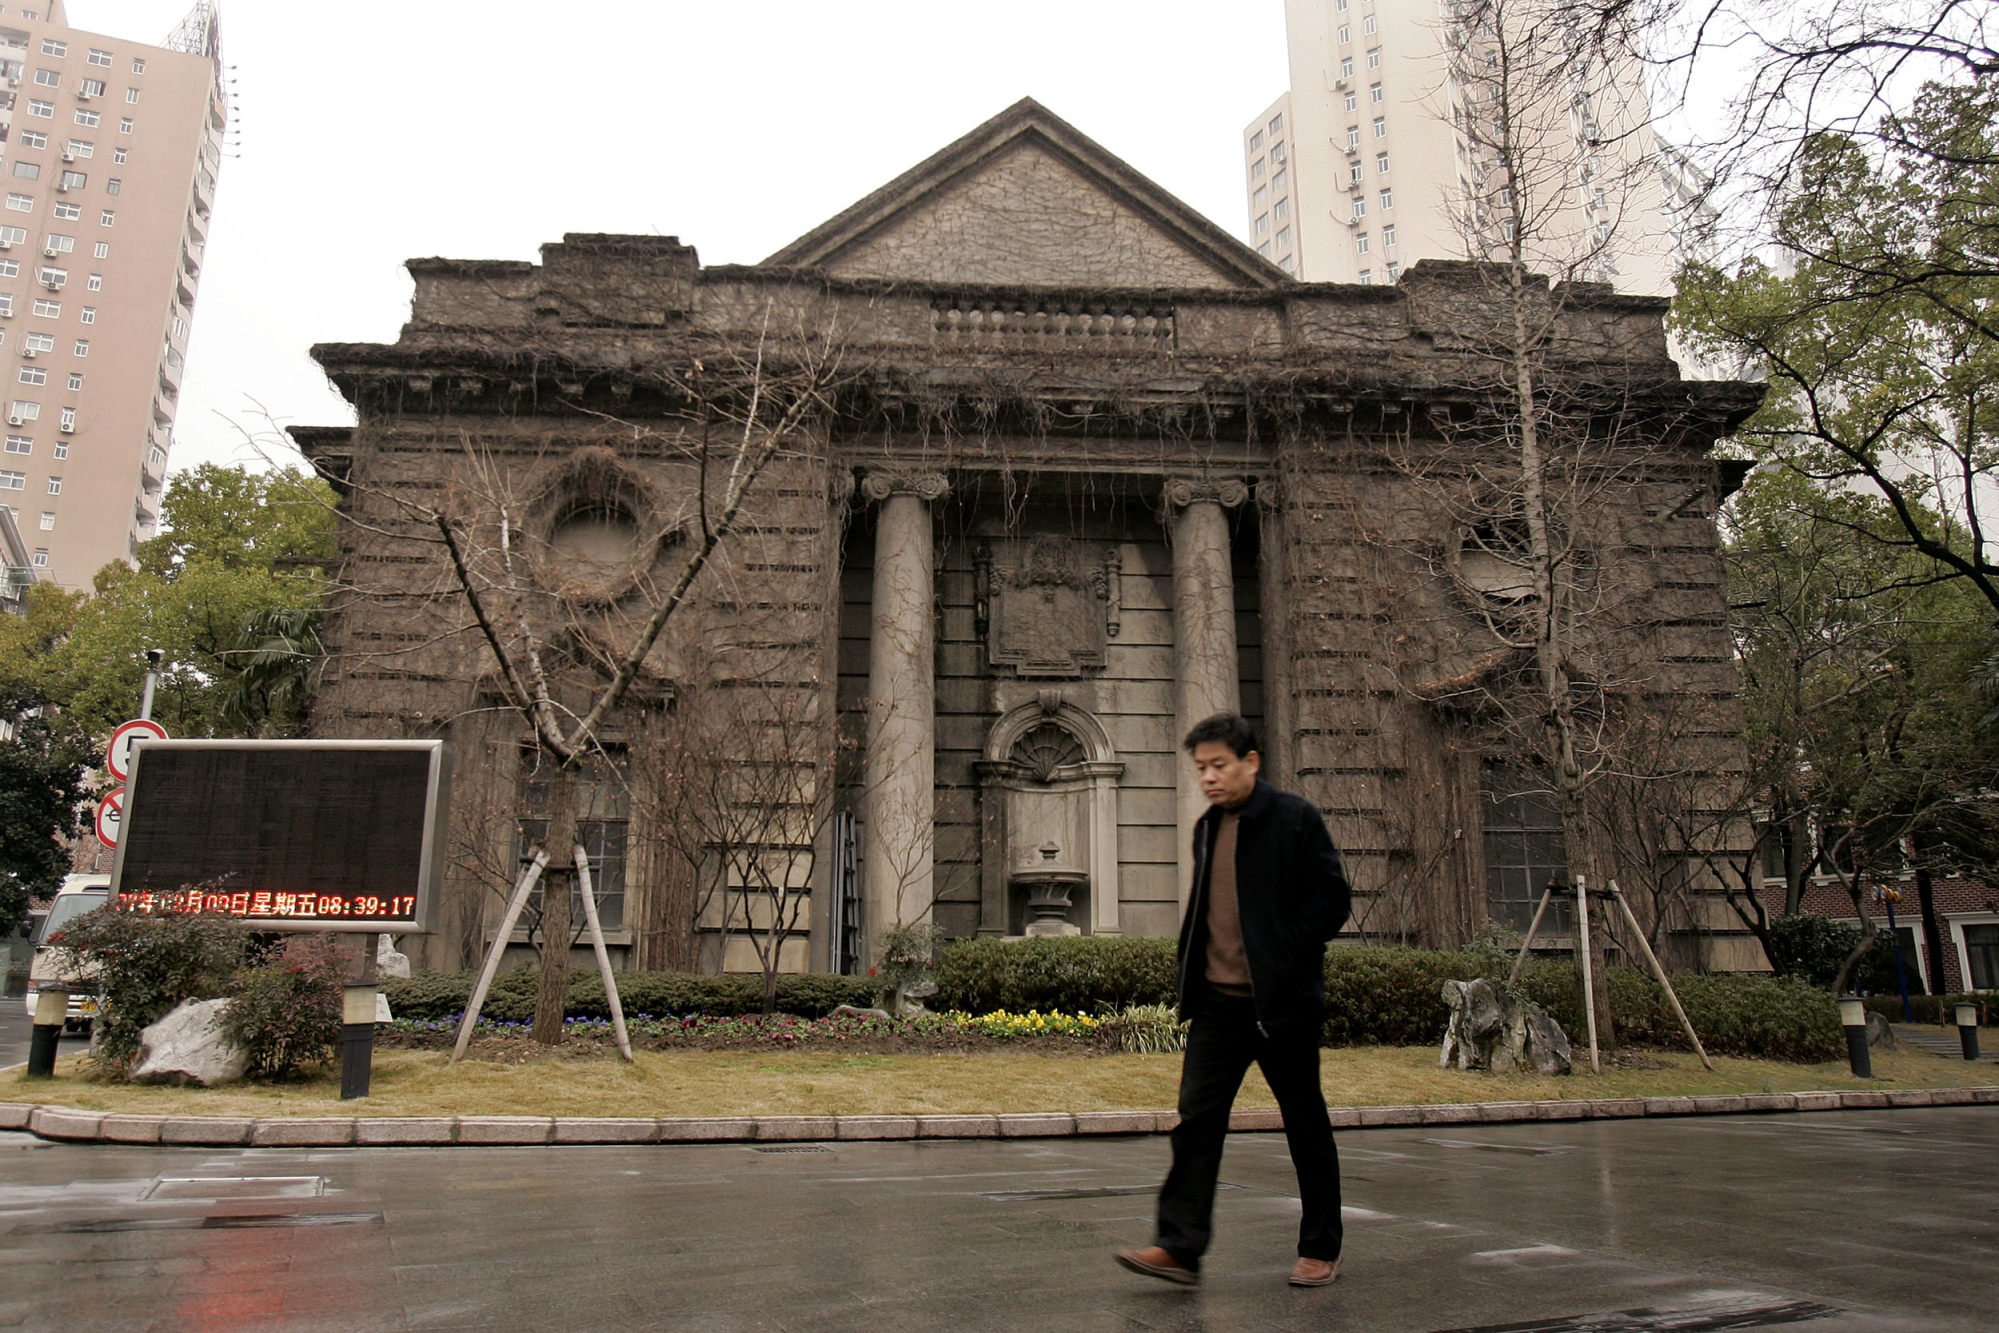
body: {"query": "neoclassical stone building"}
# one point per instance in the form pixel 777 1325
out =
pixel 1060 468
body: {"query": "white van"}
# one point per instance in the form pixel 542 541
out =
pixel 78 894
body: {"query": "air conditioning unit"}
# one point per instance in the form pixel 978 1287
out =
pixel 69 429
pixel 6 314
pixel 50 252
pixel 82 96
pixel 28 354
pixel 6 245
pixel 52 284
pixel 16 421
pixel 69 157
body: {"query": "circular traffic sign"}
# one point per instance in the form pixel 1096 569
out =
pixel 118 756
pixel 111 817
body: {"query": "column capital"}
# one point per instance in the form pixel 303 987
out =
pixel 880 484
pixel 1182 492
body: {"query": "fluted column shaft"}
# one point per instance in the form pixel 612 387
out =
pixel 1207 675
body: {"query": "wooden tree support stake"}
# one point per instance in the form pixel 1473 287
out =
pixel 1652 959
pixel 470 1018
pixel 603 954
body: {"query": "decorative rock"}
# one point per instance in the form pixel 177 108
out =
pixel 389 962
pixel 1879 1033
pixel 187 1046
pixel 854 1011
pixel 1500 1032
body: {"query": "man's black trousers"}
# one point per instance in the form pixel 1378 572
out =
pixel 1222 1042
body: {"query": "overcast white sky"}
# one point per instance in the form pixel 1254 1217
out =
pixel 376 130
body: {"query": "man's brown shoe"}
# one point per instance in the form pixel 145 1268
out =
pixel 1155 1262
pixel 1315 1273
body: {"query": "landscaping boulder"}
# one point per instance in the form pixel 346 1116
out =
pixel 1495 1030
pixel 1879 1031
pixel 187 1046
pixel 389 961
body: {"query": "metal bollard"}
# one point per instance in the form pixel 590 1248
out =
pixel 51 1011
pixel 1853 1017
pixel 1967 1029
pixel 357 1038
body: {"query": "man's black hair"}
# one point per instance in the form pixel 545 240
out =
pixel 1230 729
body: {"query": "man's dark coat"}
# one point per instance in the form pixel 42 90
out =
pixel 1291 894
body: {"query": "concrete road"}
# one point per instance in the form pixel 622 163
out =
pixel 1879 1221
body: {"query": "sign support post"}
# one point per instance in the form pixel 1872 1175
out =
pixel 357 1026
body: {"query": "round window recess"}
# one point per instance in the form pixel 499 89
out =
pixel 593 543
pixel 1493 561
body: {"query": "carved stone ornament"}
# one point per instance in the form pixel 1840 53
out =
pixel 1184 491
pixel 928 486
pixel 1042 612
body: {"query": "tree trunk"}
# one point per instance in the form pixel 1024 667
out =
pixel 1926 905
pixel 551 998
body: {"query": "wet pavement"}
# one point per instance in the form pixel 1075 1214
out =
pixel 1872 1220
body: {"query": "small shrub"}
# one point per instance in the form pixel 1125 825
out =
pixel 145 966
pixel 1811 948
pixel 1145 1029
pixel 286 1012
pixel 437 995
pixel 1077 973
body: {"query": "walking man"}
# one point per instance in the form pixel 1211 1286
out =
pixel 1268 894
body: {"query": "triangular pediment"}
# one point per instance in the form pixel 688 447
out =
pixel 1026 200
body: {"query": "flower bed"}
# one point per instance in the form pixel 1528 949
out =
pixel 948 1031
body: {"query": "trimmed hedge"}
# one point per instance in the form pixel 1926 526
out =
pixel 444 994
pixel 1936 1009
pixel 1073 974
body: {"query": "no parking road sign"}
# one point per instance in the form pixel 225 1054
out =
pixel 111 817
pixel 118 756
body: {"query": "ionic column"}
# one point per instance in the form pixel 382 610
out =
pixel 1207 679
pixel 899 848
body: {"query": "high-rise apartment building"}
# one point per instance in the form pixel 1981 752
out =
pixel 108 155
pixel 1383 151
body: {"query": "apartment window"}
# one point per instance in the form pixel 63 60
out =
pixel 1353 136
pixel 20 444
pixel 1387 200
pixel 87 118
pixel 179 327
pixel 1360 206
pixel 97 57
pixel 1394 272
pixel 1597 198
pixel 52 277
pixel 1360 246
pixel 1289 263
pixel 28 171
pixel 52 47
pixel 46 110
pixel 1603 231
pixel 94 283
pixel 83 347
pixel 68 421
pixel 1262 223
pixel 138 65
pixel 1374 93
pixel 60 243
pixel 1346 33
pixel 156 456
pixel 1282 211
pixel 13 481
pixel 6 308
pixel 1256 169
pixel 1374 58
pixel 10 268
pixel 106 217
pixel 72 180
pixel 1277 181
pixel 1367 277
pixel 21 203
pixel 1284 238
pixel 87 315
pixel 68 212
pixel 1353 172
pixel 132 96
pixel 118 156
pixel 41 557
pixel 1367 26
pixel 1388 234
pixel 61 452
pixel 48 310
pixel 1381 164
pixel 48 521
pixel 1256 141
pixel 1341 6
pixel 41 342
pixel 34 139
pixel 48 78
pixel 80 148
pixel 1380 128
pixel 1346 67
pixel 1264 249
pixel 90 88
pixel 33 375
pixel 75 381
pixel 124 124
pixel 1277 152
pixel 1261 198
pixel 101 250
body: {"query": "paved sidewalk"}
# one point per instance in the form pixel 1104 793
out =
pixel 1945 1041
pixel 69 1125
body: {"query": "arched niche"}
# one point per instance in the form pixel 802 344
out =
pixel 1048 786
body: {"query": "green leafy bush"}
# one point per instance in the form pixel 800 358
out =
pixel 434 995
pixel 286 1011
pixel 1076 974
pixel 1811 948
pixel 145 966
pixel 1938 1009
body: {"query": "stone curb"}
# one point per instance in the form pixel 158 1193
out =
pixel 67 1125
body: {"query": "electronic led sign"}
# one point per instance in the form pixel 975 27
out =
pixel 291 835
